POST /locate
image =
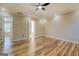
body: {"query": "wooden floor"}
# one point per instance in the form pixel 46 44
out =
pixel 44 47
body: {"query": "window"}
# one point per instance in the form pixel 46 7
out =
pixel 7 24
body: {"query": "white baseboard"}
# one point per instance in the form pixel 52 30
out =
pixel 20 39
pixel 53 37
pixel 57 38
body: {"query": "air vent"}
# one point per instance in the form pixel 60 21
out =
pixel 19 13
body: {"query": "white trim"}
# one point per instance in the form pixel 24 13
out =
pixel 20 39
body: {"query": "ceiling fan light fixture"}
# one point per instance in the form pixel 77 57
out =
pixel 39 7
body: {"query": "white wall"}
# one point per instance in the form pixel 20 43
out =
pixel 39 28
pixel 63 27
pixel 20 28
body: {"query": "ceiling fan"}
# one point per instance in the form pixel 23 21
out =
pixel 41 6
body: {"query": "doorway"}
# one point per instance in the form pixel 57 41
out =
pixel 32 35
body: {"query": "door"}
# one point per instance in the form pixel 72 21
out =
pixel 31 29
pixel 32 35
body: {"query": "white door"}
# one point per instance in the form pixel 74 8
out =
pixel 31 29
pixel 32 36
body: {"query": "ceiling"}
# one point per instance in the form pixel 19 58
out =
pixel 29 9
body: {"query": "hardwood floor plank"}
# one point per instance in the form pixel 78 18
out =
pixel 73 50
pixel 64 49
pixel 54 51
pixel 43 47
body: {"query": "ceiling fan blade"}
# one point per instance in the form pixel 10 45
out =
pixel 43 8
pixel 36 9
pixel 45 4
